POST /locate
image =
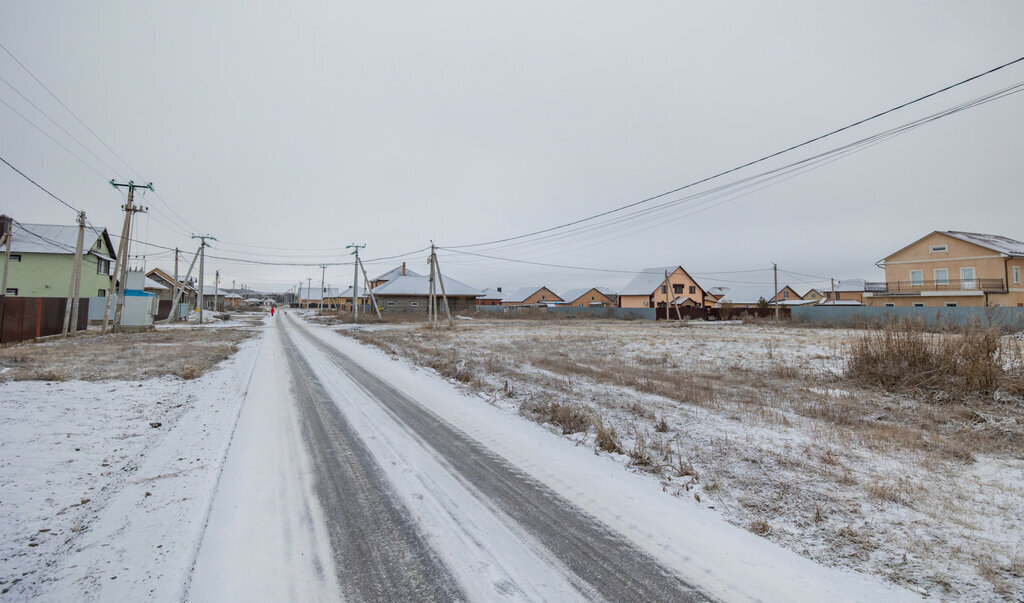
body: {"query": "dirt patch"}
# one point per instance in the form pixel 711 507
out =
pixel 179 351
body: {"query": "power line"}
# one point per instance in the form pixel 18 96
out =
pixel 754 162
pixel 57 142
pixel 40 187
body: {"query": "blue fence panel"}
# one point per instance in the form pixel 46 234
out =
pixel 1010 318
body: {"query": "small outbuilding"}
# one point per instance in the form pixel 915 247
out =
pixel 412 294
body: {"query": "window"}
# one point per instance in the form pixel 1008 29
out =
pixel 941 276
pixel 785 295
pixel 102 266
pixel 414 304
pixel 101 293
pixel 693 289
pixel 15 257
pixel 950 304
pixel 917 277
pixel 918 305
pixel 663 290
pixel 12 291
pixel 890 305
pixel 1016 275
pixel 967 279
pixel 391 304
pixel 677 288
pixel 938 248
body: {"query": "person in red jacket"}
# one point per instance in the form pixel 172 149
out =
pixel 271 310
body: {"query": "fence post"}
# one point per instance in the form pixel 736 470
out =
pixel 39 319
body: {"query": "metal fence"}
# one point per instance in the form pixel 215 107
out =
pixel 567 311
pixel 1009 318
pixel 719 313
pixel 25 318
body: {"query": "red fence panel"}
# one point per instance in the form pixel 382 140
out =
pixel 25 318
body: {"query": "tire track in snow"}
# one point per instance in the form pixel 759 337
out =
pixel 614 567
pixel 379 552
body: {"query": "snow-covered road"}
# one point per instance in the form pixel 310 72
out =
pixel 353 476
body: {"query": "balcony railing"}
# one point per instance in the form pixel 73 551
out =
pixel 982 285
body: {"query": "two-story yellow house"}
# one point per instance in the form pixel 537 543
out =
pixel 952 268
pixel 648 289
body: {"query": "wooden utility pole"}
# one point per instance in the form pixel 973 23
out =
pixel 440 280
pixel 775 270
pixel 181 290
pixel 670 298
pixel 355 281
pixel 71 308
pixel 202 262
pixel 216 288
pixel 366 279
pixel 121 261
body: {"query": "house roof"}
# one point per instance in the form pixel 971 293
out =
pixel 160 274
pixel 718 291
pixel 522 293
pixel 840 302
pixel 420 285
pixel 151 284
pixel 54 238
pixel 751 294
pixel 994 242
pixel 394 273
pixel 649 280
pixel 314 294
pixel 490 293
pixel 574 294
pixel 850 284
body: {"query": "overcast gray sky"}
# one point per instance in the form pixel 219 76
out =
pixel 288 130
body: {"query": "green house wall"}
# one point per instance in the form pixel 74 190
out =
pixel 49 274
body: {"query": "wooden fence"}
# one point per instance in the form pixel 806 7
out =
pixel 25 318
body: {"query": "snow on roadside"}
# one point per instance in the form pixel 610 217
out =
pixel 104 486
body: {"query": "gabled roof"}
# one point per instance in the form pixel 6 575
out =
pixel 751 294
pixel 489 293
pixel 718 291
pixel 420 285
pixel 151 284
pixel 522 293
pixel 994 242
pixel 167 278
pixel 573 294
pixel 650 280
pixel 394 273
pixel 55 238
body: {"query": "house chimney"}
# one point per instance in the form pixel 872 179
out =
pixel 499 289
pixel 403 268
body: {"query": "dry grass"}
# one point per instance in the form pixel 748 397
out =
pixel 183 352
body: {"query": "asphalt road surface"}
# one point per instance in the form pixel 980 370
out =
pixel 382 552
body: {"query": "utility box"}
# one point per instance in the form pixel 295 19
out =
pixel 140 307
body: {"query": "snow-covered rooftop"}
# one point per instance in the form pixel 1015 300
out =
pixel 649 280
pixel 520 294
pixel 574 294
pixel 394 273
pixel 490 293
pixel 50 238
pixel 420 285
pixel 994 242
pixel 750 294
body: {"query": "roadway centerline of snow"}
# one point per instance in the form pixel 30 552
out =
pixel 726 561
pixel 491 558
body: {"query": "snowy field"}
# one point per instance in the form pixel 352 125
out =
pixel 758 424
pixel 105 483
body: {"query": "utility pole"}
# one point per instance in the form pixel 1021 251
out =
pixel 440 280
pixel 355 281
pixel 181 290
pixel 202 262
pixel 71 308
pixel 8 233
pixel 373 300
pixel 775 270
pixel 309 286
pixel 431 305
pixel 216 287
pixel 174 310
pixel 833 291
pixel 323 271
pixel 121 261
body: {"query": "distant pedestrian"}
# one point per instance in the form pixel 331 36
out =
pixel 271 310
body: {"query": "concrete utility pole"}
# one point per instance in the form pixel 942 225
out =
pixel 216 287
pixel 7 225
pixel 121 261
pixel 323 272
pixel 775 270
pixel 202 262
pixel 366 279
pixel 431 305
pixel 355 281
pixel 181 290
pixel 833 292
pixel 440 280
pixel 309 287
pixel 174 294
pixel 71 308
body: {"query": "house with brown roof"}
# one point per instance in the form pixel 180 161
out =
pixel 951 268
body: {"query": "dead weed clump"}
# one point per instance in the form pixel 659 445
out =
pixel 947 366
pixel 607 439
pixel 571 418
